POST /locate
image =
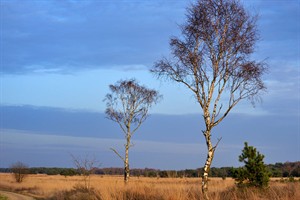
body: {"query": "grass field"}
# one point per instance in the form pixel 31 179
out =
pixel 112 188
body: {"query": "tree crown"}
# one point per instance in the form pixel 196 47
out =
pixel 128 103
pixel 212 57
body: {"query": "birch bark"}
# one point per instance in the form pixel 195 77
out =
pixel 206 168
pixel 126 162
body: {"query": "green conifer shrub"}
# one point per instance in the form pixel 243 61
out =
pixel 255 172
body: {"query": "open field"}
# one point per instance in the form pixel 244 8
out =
pixel 112 188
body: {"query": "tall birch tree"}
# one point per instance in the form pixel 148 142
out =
pixel 128 104
pixel 212 58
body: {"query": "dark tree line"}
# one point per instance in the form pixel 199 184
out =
pixel 287 169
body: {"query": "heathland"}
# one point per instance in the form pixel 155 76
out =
pixel 107 187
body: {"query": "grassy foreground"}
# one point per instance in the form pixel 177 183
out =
pixel 112 188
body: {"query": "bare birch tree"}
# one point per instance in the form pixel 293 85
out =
pixel 212 59
pixel 128 105
pixel 86 167
pixel 20 171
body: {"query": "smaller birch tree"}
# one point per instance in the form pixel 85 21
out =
pixel 128 105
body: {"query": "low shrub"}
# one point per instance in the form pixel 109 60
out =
pixel 287 191
pixel 2 197
pixel 78 192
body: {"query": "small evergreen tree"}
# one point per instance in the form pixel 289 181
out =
pixel 255 172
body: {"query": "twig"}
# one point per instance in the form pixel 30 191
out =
pixel 219 139
pixel 117 154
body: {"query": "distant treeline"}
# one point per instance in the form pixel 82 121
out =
pixel 288 169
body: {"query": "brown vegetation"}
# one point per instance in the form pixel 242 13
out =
pixel 113 188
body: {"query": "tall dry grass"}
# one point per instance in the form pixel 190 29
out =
pixel 113 188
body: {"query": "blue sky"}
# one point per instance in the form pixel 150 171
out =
pixel 58 58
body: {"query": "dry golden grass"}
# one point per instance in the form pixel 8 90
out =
pixel 113 188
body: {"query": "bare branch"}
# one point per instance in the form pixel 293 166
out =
pixel 118 154
pixel 219 139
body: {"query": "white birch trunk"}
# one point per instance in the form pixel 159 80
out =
pixel 126 162
pixel 206 168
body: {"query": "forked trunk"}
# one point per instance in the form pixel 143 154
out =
pixel 206 168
